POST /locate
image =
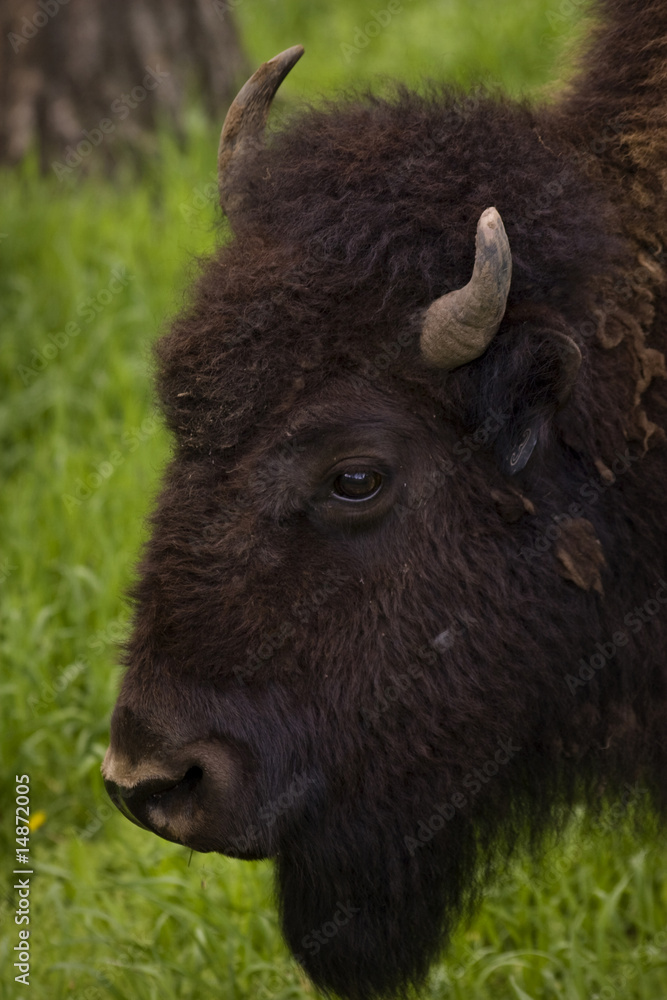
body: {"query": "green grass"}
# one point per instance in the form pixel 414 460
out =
pixel 517 43
pixel 114 911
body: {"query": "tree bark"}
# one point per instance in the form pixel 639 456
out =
pixel 83 79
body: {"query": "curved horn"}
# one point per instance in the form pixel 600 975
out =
pixel 460 325
pixel 246 119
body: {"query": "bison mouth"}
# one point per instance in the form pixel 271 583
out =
pixel 192 799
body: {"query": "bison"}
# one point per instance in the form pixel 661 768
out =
pixel 404 602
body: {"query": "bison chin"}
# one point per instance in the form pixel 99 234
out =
pixel 363 913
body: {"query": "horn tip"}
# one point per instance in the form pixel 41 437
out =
pixel 491 219
pixel 289 58
pixel 491 237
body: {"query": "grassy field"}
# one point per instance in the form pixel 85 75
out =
pixel 89 273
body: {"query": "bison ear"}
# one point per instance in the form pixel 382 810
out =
pixel 527 378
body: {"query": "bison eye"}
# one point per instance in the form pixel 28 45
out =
pixel 357 485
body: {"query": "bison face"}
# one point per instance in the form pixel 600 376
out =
pixel 287 604
pixel 267 556
pixel 316 672
pixel 336 644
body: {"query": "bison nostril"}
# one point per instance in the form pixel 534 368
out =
pixel 181 795
pixel 192 778
pixel 154 799
pixel 157 788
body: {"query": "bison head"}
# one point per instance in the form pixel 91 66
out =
pixel 340 658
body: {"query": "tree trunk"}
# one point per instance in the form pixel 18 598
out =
pixel 84 78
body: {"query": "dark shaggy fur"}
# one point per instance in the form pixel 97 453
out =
pixel 384 658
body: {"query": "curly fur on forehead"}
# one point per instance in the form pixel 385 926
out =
pixel 358 218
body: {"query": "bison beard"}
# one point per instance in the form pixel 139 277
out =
pixel 402 606
pixel 394 906
pixel 368 893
